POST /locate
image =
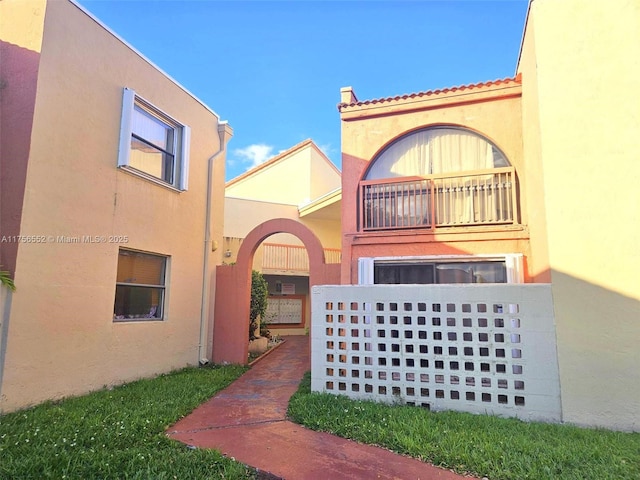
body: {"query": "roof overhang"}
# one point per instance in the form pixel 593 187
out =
pixel 326 207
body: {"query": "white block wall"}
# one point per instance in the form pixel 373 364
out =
pixel 475 348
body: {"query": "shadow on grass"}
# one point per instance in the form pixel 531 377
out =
pixel 118 433
pixel 480 445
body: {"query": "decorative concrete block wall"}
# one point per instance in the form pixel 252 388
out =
pixel 475 348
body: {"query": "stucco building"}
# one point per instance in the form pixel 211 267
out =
pixel 111 203
pixel 581 110
pixel 430 191
pixel 300 184
pixel 530 179
pixel 111 208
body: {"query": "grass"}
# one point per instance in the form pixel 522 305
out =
pixel 481 445
pixel 117 433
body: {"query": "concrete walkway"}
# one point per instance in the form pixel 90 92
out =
pixel 247 421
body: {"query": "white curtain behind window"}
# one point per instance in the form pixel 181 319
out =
pixel 458 151
pixel 436 150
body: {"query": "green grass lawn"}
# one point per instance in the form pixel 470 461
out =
pixel 481 445
pixel 118 433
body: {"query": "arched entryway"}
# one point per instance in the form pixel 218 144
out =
pixel 233 287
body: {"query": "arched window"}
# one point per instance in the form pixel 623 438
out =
pixel 438 177
pixel 436 150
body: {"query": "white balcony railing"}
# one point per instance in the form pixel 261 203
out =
pixel 292 257
pixel 483 197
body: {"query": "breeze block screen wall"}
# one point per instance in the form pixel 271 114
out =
pixel 475 348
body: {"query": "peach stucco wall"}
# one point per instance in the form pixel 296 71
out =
pixel 61 337
pixel 532 171
pixel 242 215
pixel 580 97
pixel 493 112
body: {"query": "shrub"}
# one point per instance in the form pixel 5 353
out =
pixel 259 298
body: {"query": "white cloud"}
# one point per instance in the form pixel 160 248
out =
pixel 254 154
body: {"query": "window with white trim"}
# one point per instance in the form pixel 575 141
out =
pixel 505 268
pixel 152 144
pixel 140 286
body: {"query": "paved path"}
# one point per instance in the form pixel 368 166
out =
pixel 247 421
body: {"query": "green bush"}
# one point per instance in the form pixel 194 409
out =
pixel 259 298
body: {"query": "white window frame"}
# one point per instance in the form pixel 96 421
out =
pixel 182 134
pixel 513 263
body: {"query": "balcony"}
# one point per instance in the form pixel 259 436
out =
pixel 292 258
pixel 482 197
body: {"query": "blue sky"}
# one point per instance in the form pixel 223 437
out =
pixel 274 69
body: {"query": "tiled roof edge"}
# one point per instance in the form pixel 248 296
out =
pixel 517 80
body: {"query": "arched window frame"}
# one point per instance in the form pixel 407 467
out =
pixel 430 133
pixel 449 195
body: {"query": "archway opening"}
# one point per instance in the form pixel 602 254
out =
pixel 233 286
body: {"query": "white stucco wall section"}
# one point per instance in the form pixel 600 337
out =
pixel 475 348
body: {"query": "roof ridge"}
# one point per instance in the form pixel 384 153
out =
pixel 500 81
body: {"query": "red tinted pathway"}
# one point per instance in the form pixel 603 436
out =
pixel 247 421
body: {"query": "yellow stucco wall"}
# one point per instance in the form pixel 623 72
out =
pixel 580 68
pixel 242 215
pixel 61 337
pixel 531 168
pixel 366 130
pixel 21 23
pixel 280 182
pixel 325 177
pixel 294 179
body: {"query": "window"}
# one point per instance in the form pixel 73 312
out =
pixel 152 144
pixel 439 272
pixel 140 286
pixel 438 177
pixel 436 150
pixel 505 268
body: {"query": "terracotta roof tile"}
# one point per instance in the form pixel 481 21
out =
pixel 504 81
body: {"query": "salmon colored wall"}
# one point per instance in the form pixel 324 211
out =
pixel 584 101
pixel 231 328
pixel 493 111
pixel 20 44
pixel 61 336
pixel 414 244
